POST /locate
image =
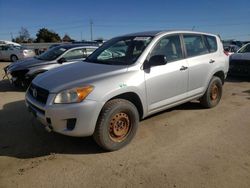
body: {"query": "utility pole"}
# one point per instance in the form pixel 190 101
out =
pixel 11 35
pixel 91 29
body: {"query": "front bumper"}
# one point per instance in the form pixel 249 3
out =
pixel 8 75
pixel 55 116
pixel 17 77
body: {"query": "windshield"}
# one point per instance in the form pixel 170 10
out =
pixel 245 49
pixel 52 54
pixel 120 50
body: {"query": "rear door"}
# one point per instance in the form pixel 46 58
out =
pixel 200 62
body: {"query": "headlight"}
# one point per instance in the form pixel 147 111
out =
pixel 74 95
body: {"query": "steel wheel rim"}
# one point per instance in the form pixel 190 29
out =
pixel 214 92
pixel 119 127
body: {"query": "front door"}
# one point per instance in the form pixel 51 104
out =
pixel 167 84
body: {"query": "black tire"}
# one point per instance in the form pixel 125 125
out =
pixel 213 93
pixel 117 124
pixel 13 58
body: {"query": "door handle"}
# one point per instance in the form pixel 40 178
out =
pixel 211 61
pixel 183 68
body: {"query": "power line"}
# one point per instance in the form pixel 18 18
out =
pixel 134 24
pixel 134 21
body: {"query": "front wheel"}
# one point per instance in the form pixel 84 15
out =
pixel 213 93
pixel 116 125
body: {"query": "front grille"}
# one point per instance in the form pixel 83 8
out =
pixel 38 93
pixel 35 108
pixel 19 73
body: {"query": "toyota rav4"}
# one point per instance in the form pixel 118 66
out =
pixel 127 79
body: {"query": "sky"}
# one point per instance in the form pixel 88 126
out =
pixel 228 18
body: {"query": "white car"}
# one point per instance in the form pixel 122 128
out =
pixel 9 42
pixel 14 53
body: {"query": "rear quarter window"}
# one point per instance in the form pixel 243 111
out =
pixel 212 43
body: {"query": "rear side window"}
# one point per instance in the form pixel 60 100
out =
pixel 195 45
pixel 212 43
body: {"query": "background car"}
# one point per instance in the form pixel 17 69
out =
pixel 13 53
pixel 231 46
pixel 23 72
pixel 9 42
pixel 231 49
pixel 239 63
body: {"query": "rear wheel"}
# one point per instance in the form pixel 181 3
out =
pixel 116 125
pixel 213 93
pixel 13 58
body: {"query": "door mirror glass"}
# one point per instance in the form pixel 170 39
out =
pixel 155 60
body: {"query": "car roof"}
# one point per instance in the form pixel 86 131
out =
pixel 159 32
pixel 144 34
pixel 69 46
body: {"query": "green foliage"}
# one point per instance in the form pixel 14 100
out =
pixel 45 35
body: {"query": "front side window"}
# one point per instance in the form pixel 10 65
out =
pixel 245 49
pixel 75 54
pixel 195 45
pixel 170 47
pixel 120 50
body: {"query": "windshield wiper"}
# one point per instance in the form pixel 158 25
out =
pixel 104 62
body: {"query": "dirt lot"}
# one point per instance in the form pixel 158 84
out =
pixel 183 147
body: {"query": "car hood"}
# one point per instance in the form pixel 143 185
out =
pixel 75 75
pixel 27 63
pixel 240 56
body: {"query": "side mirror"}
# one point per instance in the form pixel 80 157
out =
pixel 61 60
pixel 156 60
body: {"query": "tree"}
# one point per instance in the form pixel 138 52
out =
pixel 67 38
pixel 23 36
pixel 45 35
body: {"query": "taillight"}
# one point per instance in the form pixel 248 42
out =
pixel 226 53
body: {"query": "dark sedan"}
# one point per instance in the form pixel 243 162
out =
pixel 21 73
pixel 239 63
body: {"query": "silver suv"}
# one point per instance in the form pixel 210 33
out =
pixel 127 79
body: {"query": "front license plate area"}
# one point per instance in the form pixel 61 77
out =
pixel 33 111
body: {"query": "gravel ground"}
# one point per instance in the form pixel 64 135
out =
pixel 186 146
